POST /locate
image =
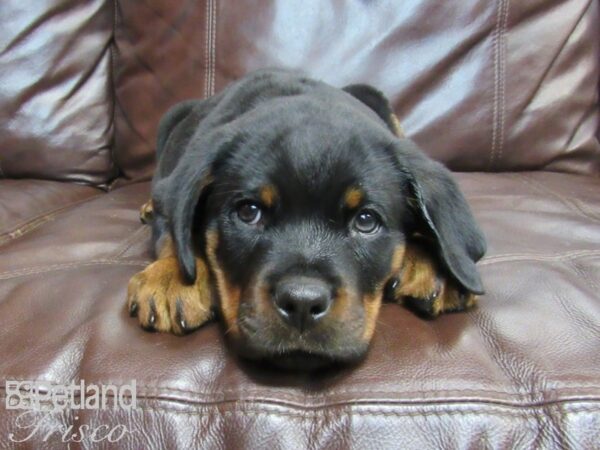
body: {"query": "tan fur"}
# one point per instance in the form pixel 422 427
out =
pixel 372 302
pixel 167 248
pixel 268 195
pixel 163 302
pixel 353 197
pixel 341 304
pixel 422 280
pixel 229 295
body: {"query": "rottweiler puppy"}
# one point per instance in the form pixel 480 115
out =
pixel 292 209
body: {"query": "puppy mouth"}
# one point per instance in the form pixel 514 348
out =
pixel 295 352
pixel 299 360
pixel 302 360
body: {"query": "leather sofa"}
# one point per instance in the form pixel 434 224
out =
pixel 505 93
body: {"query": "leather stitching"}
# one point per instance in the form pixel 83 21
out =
pixel 31 224
pixel 206 47
pixel 371 412
pixel 569 256
pixel 254 407
pixel 152 391
pixel 502 96
pixel 499 103
pixel 113 92
pixel 137 236
pixel 67 266
pixel 495 39
pixel 210 48
pixel 214 46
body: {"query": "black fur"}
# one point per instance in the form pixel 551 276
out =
pixel 312 142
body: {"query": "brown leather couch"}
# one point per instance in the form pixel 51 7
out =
pixel 505 93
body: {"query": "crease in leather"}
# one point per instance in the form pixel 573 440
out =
pixel 501 355
pixel 576 314
pixel 132 127
pixel 169 25
pixel 31 224
pixel 555 57
pixel 585 115
pixel 577 208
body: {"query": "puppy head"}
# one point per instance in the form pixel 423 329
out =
pixel 302 207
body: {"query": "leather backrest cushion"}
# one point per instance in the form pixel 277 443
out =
pixel 55 90
pixel 479 85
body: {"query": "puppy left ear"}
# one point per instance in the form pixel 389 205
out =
pixel 378 102
pixel 442 213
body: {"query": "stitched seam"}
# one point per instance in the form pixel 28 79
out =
pixel 44 214
pixel 502 99
pixel 559 256
pixel 156 390
pixel 206 48
pixel 541 258
pixel 29 225
pixel 495 40
pixel 67 266
pixel 113 89
pixel 214 46
pixel 367 410
pixel 137 236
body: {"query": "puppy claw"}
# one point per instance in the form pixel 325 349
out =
pixel 433 295
pixel 152 316
pixel 133 309
pixel 179 316
pixel 390 289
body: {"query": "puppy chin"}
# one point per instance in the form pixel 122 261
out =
pixel 299 357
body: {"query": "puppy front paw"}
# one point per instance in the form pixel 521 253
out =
pixel 162 302
pixel 424 288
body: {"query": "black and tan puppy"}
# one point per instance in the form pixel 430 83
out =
pixel 293 208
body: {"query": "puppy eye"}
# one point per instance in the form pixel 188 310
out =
pixel 249 212
pixel 366 222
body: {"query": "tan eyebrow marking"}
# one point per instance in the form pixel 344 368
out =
pixel 353 197
pixel 268 195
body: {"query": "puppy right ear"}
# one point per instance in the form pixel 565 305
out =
pixel 442 213
pixel 378 102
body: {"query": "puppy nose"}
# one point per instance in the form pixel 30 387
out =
pixel 302 301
